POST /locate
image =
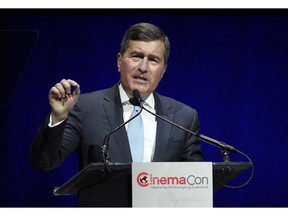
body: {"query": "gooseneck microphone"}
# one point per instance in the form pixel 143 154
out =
pixel 105 145
pixel 137 101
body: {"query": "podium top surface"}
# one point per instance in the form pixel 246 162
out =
pixel 95 173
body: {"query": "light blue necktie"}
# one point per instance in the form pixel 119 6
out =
pixel 136 135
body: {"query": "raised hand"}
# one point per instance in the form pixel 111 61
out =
pixel 62 99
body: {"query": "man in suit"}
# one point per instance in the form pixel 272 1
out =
pixel 81 122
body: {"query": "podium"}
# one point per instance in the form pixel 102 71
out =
pixel 109 185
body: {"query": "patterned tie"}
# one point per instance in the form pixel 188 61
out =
pixel 136 136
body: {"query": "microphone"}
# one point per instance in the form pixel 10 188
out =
pixel 136 101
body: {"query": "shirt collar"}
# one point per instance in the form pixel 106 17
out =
pixel 125 98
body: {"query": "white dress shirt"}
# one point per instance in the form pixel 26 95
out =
pixel 149 122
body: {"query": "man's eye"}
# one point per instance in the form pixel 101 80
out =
pixel 154 60
pixel 136 56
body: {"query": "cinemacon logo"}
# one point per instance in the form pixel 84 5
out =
pixel 145 179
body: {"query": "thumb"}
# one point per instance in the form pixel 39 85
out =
pixel 76 93
pixel 77 90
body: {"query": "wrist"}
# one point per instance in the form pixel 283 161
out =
pixel 57 118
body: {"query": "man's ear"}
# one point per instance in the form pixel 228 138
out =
pixel 119 61
pixel 164 71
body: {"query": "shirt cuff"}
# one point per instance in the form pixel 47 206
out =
pixel 54 125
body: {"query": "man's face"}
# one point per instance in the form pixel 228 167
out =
pixel 142 66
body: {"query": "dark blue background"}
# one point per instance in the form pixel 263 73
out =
pixel 231 65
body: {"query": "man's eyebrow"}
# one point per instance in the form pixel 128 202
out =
pixel 154 56
pixel 136 52
pixel 150 56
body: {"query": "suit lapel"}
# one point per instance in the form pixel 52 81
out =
pixel 119 140
pixel 114 111
pixel 163 129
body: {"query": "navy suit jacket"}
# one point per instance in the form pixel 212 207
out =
pixel 96 114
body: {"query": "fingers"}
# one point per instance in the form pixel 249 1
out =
pixel 63 89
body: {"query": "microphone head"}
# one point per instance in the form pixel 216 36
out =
pixel 136 100
pixel 136 95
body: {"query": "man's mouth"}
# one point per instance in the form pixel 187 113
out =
pixel 140 78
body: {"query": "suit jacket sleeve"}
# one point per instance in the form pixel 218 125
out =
pixel 43 150
pixel 51 145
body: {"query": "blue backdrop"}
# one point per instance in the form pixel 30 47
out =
pixel 229 65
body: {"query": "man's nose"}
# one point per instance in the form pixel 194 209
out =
pixel 143 66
